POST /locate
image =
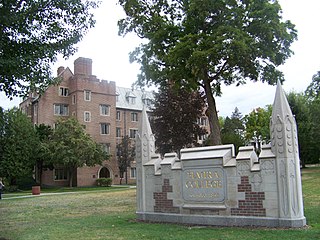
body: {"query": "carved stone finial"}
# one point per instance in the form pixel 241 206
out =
pixel 281 109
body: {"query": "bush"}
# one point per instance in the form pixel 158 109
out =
pixel 104 182
pixel 11 188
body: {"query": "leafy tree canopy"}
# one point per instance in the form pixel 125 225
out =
pixel 175 119
pixel 72 147
pixel 208 43
pixel 233 130
pixel 313 90
pixel 299 106
pixel 257 124
pixel 32 34
pixel 18 145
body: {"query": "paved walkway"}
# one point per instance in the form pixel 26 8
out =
pixel 59 193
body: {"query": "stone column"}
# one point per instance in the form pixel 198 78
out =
pixel 145 147
pixel 284 144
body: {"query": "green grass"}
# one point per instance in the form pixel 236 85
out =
pixel 110 214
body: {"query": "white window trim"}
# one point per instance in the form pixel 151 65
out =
pixel 117 132
pixel 134 114
pixel 74 99
pixel 84 116
pixel 136 130
pixel 65 90
pixel 85 95
pixel 118 119
pixel 101 112
pixel 60 104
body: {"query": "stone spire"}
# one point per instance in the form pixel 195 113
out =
pixel 145 147
pixel 284 143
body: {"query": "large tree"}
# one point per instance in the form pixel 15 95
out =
pixel 32 34
pixel 208 43
pixel 44 133
pixel 313 97
pixel 257 125
pixel 18 145
pixel 233 130
pixel 125 155
pixel 300 109
pixel 71 147
pixel 175 119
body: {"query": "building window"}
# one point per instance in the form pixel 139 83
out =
pixel 87 95
pixel 118 132
pixel 132 100
pixel 74 99
pixel 104 110
pixel 118 117
pixel 202 121
pixel 133 172
pixel 87 116
pixel 61 109
pixel 132 133
pixel 104 128
pixel 60 174
pixel 106 147
pixel 134 117
pixel 63 91
pixel 203 137
pixel 117 97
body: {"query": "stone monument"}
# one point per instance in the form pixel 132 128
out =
pixel 212 186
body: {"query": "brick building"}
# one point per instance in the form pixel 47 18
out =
pixel 106 111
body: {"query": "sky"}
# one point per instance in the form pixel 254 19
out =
pixel 110 55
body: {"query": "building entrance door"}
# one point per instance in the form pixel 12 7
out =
pixel 104 173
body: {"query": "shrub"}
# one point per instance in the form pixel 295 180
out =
pixel 104 182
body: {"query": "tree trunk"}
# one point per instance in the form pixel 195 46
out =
pixel 127 177
pixel 211 112
pixel 70 176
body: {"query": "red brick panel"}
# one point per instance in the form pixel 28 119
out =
pixel 253 203
pixel 162 203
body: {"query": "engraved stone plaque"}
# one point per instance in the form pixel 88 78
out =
pixel 204 184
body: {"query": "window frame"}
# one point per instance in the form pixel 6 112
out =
pixel 101 106
pixel 61 112
pixel 105 130
pixel 63 91
pixel 85 95
pixel 134 117
pixel 118 132
pixel 60 174
pixel 133 130
pixel 118 115
pixel 85 114
pixel 133 172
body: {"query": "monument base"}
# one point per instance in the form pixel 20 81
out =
pixel 235 221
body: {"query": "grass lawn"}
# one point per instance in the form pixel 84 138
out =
pixel 110 214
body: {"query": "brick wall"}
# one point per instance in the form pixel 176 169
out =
pixel 253 203
pixel 162 203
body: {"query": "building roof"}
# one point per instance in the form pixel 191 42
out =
pixel 125 95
